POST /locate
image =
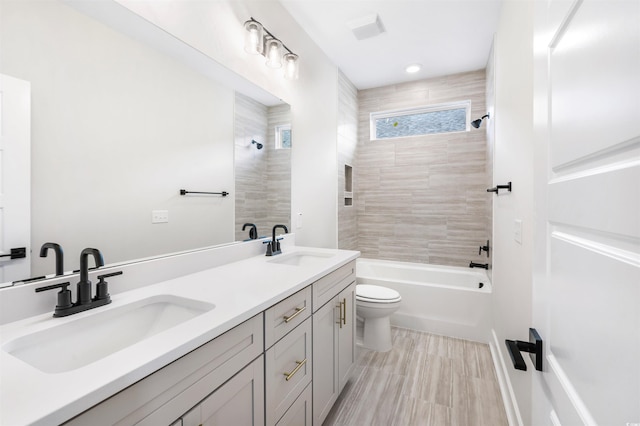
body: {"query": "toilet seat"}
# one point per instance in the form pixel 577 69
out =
pixel 376 294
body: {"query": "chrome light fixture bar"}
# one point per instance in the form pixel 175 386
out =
pixel 258 40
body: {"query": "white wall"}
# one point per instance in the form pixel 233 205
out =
pixel 513 161
pixel 119 128
pixel 216 29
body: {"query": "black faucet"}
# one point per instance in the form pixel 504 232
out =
pixel 479 265
pixel 273 246
pixel 84 302
pixel 253 231
pixel 84 285
pixel 59 255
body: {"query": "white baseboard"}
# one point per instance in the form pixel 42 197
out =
pixel 508 396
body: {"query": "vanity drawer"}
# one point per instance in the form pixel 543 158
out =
pixel 284 316
pixel 287 371
pixel 328 286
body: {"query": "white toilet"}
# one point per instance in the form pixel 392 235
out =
pixel 374 306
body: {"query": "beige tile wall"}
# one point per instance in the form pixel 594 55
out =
pixel 422 199
pixel 262 177
pixel 347 144
pixel 278 170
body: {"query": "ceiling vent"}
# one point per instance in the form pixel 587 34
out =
pixel 366 27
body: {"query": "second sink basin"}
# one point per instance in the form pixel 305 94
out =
pixel 302 258
pixel 74 344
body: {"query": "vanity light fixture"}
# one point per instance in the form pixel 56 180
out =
pixel 258 40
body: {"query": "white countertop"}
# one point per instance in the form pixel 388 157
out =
pixel 239 291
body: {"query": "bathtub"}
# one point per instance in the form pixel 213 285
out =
pixel 447 300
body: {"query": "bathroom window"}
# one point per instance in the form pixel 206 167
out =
pixel 283 136
pixel 426 120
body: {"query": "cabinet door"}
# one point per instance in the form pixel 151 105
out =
pixel 299 414
pixel 239 402
pixel 346 335
pixel 325 358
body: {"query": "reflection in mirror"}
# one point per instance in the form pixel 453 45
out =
pixel 118 128
pixel 263 177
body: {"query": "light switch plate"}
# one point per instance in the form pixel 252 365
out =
pixel 159 216
pixel 517 231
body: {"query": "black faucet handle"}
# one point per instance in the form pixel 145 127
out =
pixel 112 274
pixel 64 295
pixel 102 289
pixel 62 286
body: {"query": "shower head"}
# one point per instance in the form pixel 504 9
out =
pixel 478 122
pixel 258 144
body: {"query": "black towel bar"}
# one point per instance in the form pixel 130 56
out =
pixel 185 192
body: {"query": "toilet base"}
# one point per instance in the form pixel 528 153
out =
pixel 377 334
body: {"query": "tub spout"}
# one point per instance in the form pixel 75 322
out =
pixel 479 265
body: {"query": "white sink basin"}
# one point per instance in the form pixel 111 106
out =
pixel 302 258
pixel 74 344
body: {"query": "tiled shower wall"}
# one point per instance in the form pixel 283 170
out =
pixel 423 198
pixel 347 144
pixel 262 177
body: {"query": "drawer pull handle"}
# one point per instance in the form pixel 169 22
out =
pixel 298 310
pixel 344 315
pixel 340 320
pixel 288 376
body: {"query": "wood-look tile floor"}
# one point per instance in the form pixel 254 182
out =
pixel 425 379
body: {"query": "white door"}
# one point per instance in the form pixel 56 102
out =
pixel 586 301
pixel 15 177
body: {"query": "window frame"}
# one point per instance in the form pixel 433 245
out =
pixel 278 130
pixel 446 106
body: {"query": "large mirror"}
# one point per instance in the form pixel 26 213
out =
pixel 119 125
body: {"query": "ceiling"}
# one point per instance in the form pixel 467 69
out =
pixel 444 36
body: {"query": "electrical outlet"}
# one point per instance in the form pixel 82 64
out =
pixel 159 216
pixel 299 221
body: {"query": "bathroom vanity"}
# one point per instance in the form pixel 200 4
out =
pixel 256 340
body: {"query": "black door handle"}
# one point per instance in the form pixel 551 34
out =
pixel 533 346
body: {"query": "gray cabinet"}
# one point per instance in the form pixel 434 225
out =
pixel 164 396
pixel 346 335
pixel 239 402
pixel 288 368
pixel 333 341
pixel 285 366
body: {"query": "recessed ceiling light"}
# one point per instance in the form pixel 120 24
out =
pixel 413 68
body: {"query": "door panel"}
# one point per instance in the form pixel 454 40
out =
pixel 591 59
pixel 587 256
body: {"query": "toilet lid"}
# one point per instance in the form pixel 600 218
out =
pixel 376 292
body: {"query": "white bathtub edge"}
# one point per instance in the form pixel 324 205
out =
pixel 506 389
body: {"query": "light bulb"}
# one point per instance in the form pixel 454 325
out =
pixel 273 52
pixel 253 38
pixel 291 66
